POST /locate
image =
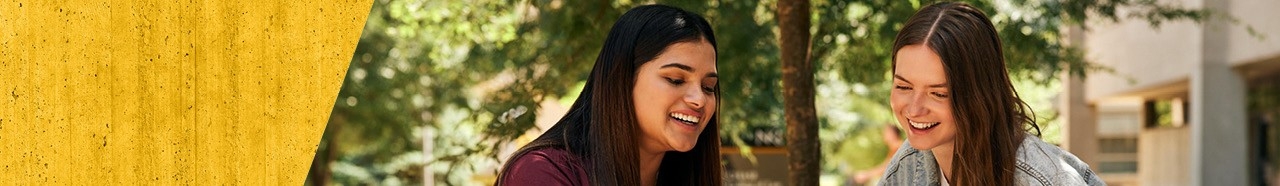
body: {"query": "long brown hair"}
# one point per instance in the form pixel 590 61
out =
pixel 601 127
pixel 990 117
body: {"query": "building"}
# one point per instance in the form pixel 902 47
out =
pixel 1177 110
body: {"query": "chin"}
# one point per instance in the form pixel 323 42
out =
pixel 684 148
pixel 920 144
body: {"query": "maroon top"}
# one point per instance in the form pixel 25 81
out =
pixel 546 166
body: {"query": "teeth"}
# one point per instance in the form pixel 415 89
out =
pixel 920 125
pixel 686 118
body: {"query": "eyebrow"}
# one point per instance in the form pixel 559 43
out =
pixel 687 68
pixel 678 65
pixel 940 85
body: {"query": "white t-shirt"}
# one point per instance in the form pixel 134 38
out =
pixel 943 176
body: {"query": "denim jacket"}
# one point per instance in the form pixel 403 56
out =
pixel 1039 163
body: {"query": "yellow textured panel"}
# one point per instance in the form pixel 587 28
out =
pixel 185 92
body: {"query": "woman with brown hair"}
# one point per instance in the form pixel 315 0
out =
pixel 647 115
pixel 964 121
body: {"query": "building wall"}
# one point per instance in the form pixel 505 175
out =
pixel 1160 57
pixel 1262 16
pixel 1208 64
pixel 1137 51
pixel 1165 156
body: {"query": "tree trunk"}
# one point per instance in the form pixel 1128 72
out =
pixel 798 92
pixel 319 173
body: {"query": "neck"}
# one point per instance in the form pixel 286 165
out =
pixel 649 163
pixel 943 154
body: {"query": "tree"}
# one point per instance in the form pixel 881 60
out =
pixel 797 78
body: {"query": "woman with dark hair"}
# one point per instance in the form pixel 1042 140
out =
pixel 964 121
pixel 647 115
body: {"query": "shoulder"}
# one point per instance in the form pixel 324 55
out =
pixel 546 166
pixel 910 166
pixel 1041 163
pixel 904 157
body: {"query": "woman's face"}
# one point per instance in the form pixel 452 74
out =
pixel 920 98
pixel 675 96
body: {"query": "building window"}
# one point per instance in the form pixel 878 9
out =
pixel 1165 112
pixel 1118 145
pixel 1118 167
pixel 1118 154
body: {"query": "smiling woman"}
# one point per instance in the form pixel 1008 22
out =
pixel 646 116
pixel 965 123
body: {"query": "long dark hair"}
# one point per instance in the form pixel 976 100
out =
pixel 990 117
pixel 601 126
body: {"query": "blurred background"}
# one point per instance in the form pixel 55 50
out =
pixel 1148 92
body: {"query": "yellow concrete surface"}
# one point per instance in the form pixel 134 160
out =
pixel 173 92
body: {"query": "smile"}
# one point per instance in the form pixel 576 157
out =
pixel 686 119
pixel 922 125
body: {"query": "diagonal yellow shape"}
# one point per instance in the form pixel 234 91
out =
pixel 185 92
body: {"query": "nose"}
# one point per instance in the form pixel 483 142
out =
pixel 915 106
pixel 695 98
